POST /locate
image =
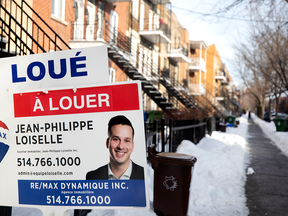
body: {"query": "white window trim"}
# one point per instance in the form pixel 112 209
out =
pixel 58 19
pixel 55 15
pixel 112 74
pixel 135 8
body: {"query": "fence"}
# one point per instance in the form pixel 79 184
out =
pixel 168 135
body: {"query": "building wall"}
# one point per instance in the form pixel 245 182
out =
pixel 61 27
pixel 184 69
pixel 212 65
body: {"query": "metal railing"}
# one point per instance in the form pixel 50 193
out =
pixel 154 25
pixel 175 48
pixel 100 30
pixel 196 88
pixel 24 34
pixel 194 61
pixel 220 73
pixel 168 135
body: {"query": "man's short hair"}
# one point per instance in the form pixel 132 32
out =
pixel 120 119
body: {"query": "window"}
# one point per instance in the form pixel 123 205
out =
pixel 112 72
pixel 135 8
pixel 113 26
pixel 58 8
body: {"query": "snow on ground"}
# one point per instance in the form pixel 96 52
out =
pixel 219 176
pixel 279 138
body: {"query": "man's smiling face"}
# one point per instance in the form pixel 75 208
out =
pixel 120 144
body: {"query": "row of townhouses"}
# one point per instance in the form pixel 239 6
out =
pixel 145 42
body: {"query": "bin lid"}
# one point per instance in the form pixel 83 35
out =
pixel 173 158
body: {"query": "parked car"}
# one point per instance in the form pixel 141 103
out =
pixel 282 116
pixel 272 116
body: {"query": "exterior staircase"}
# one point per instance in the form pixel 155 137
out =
pixel 147 84
pixel 17 38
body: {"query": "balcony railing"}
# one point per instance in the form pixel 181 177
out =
pixel 107 33
pixel 196 89
pixel 156 2
pixel 155 30
pixel 178 54
pixel 197 64
pixel 220 73
pixel 179 49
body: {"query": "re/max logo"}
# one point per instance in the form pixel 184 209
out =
pixel 36 70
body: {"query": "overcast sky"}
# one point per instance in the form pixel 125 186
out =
pixel 222 32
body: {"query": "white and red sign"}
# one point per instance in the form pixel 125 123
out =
pixel 54 112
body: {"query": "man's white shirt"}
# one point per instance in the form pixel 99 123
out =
pixel 125 176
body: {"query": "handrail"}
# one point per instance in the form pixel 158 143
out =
pixel 11 17
pixel 29 33
pixel 15 36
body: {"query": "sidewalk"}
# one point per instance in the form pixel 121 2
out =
pixel 267 188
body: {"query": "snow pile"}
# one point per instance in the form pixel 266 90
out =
pixel 219 176
pixel 280 138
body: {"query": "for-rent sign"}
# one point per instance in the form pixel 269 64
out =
pixel 54 135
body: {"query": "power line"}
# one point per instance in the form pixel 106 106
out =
pixel 223 17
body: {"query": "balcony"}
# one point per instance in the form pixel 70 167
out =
pixel 224 82
pixel 115 1
pixel 196 89
pixel 98 33
pixel 197 64
pixel 179 54
pixel 220 76
pixel 219 96
pixel 157 32
pixel 156 2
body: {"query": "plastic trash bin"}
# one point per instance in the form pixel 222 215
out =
pixel 172 177
pixel 280 124
pixel 223 127
pixel 231 120
pixel 237 121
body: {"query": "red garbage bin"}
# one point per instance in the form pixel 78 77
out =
pixel 172 177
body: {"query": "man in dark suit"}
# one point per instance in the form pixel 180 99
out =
pixel 120 143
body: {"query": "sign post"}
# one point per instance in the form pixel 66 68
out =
pixel 54 114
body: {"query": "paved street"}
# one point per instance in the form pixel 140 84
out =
pixel 267 188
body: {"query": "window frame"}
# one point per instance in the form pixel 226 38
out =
pixel 58 9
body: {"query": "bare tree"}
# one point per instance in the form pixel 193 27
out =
pixel 224 6
pixel 264 54
pixel 251 74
